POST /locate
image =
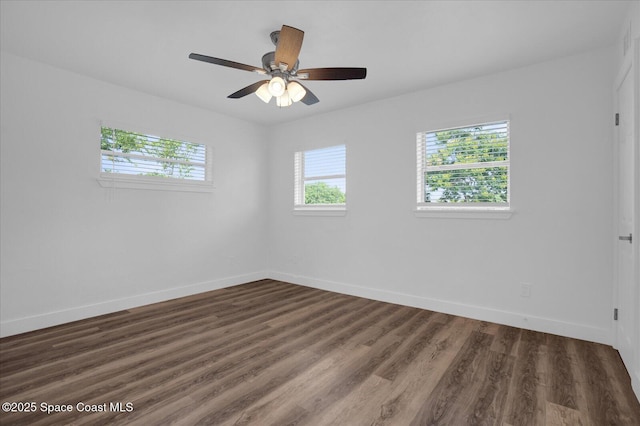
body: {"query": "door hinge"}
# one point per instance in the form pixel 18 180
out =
pixel 617 119
pixel 615 314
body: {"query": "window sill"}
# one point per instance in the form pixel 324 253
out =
pixel 464 213
pixel 154 184
pixel 320 211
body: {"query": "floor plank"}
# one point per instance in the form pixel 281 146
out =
pixel 274 353
pixel 442 406
pixel 558 415
pixel 526 400
pixel 562 388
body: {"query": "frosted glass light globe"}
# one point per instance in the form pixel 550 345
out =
pixel 277 86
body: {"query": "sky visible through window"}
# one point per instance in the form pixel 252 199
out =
pixel 325 162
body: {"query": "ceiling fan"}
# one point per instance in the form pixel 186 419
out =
pixel 282 68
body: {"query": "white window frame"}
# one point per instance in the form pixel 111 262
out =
pixel 130 181
pixel 300 208
pixel 461 210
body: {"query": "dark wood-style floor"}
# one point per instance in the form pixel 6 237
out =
pixel 272 353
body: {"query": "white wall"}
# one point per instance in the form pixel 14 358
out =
pixel 64 235
pixel 559 239
pixel 72 249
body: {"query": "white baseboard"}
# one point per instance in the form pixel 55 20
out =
pixel 35 322
pixel 514 319
pixel 635 383
pixel 546 325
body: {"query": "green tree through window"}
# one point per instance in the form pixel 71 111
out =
pixel 320 178
pixel 133 153
pixel 467 165
pixel 321 193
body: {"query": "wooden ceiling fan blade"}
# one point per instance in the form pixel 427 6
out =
pixel 309 98
pixel 289 45
pixel 340 73
pixel 225 63
pixel 247 90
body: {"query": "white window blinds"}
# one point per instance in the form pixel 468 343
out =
pixel 130 153
pixel 464 166
pixel 320 177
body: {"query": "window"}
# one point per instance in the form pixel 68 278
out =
pixel 320 179
pixel 464 168
pixel 144 161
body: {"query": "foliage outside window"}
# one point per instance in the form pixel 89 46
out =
pixel 320 178
pixel 141 156
pixel 464 167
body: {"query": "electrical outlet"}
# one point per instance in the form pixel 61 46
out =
pixel 525 290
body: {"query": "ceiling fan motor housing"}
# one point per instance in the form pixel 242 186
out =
pixel 269 64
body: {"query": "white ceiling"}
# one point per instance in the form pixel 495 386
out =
pixel 405 45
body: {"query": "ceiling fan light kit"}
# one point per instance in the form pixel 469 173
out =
pixel 284 100
pixel 282 68
pixel 296 91
pixel 264 93
pixel 277 86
